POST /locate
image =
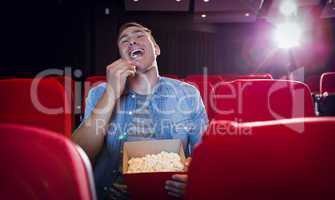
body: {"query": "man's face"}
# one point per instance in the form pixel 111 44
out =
pixel 137 46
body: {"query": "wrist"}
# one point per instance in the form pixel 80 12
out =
pixel 110 92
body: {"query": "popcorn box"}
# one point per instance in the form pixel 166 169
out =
pixel 149 185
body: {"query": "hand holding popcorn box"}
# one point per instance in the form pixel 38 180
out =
pixel 148 164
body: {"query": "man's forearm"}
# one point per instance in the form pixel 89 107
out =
pixel 90 135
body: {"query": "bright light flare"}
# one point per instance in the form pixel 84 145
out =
pixel 288 8
pixel 287 35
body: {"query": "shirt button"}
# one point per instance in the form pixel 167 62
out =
pixel 105 188
pixel 130 113
pixel 133 96
pixel 122 136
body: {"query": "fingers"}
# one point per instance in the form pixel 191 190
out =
pixel 175 184
pixel 120 69
pixel 127 73
pixel 117 74
pixel 178 194
pixel 114 64
pixel 187 163
pixel 176 187
pixel 175 195
pixel 120 65
pixel 173 189
pixel 180 177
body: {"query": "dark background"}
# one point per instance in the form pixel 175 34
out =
pixel 37 35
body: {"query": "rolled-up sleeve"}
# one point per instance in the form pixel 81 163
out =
pixel 92 99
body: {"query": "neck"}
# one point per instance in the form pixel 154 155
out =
pixel 144 82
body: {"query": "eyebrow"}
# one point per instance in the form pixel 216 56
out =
pixel 134 32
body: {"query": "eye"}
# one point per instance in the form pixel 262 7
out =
pixel 123 42
pixel 139 35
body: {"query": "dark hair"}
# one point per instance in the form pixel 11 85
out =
pixel 131 24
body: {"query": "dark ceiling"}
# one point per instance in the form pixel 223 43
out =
pixel 220 11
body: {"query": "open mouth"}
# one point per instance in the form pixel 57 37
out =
pixel 136 53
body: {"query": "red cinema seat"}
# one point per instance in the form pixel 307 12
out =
pixel 69 85
pixel 205 85
pixel 73 92
pixel 282 159
pixel 36 102
pixel 259 100
pixel 39 164
pixel 327 83
pixel 313 83
pixel 231 77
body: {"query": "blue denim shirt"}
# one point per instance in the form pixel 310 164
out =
pixel 178 113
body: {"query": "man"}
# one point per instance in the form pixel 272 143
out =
pixel 137 104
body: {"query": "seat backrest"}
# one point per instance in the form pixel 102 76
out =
pixel 258 100
pixel 313 82
pixel 39 164
pixel 281 159
pixel 205 85
pixel 73 92
pixel 37 102
pixel 69 85
pixel 231 77
pixel 327 82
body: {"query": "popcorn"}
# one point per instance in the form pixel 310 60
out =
pixel 162 162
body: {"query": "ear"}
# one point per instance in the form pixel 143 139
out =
pixel 157 50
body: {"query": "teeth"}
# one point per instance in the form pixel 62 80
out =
pixel 136 53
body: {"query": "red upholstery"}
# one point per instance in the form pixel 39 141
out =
pixel 228 77
pixel 282 159
pixel 258 100
pixel 69 86
pixel 327 82
pixel 205 85
pixel 232 77
pixel 91 82
pixel 18 104
pixel 39 164
pixel 72 92
pixel 313 83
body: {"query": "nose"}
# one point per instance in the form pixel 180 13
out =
pixel 132 42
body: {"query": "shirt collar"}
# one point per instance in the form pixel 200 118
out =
pixel 128 91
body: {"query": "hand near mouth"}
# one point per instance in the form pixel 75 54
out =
pixel 117 74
